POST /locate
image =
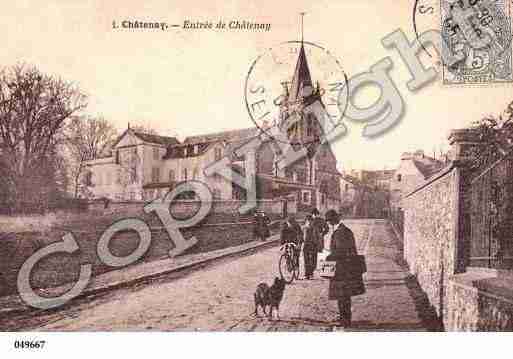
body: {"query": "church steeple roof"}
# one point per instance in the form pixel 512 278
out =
pixel 301 77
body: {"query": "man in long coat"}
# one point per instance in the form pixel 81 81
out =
pixel 321 229
pixel 348 280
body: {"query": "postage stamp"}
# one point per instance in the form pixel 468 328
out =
pixel 481 29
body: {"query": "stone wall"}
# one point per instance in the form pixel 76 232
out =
pixel 430 235
pixel 480 302
pixel 221 211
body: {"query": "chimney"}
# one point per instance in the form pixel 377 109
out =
pixel 461 141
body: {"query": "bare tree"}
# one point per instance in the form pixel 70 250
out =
pixel 128 171
pixel 33 109
pixel 87 138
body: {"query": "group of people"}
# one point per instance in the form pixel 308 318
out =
pixel 347 280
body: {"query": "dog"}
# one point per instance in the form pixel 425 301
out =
pixel 269 296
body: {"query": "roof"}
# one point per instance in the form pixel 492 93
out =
pixel 163 140
pixel 230 136
pixel 146 137
pixel 427 165
pixel 301 77
pixel 193 150
pixel 377 175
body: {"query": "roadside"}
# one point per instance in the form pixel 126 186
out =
pixel 141 273
pixel 219 297
pixel 61 268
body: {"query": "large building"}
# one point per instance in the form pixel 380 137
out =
pixel 144 167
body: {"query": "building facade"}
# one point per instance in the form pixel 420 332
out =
pixel 144 167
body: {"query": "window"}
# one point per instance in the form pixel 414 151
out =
pixel 306 197
pixel 195 174
pixel 133 174
pixel 294 176
pixel 156 153
pixel 171 175
pixel 399 177
pixel 184 174
pixel 155 174
pixel 196 149
pixel 347 187
pixel 218 153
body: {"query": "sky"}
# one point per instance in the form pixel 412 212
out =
pixel 189 82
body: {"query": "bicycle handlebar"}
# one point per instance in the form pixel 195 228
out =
pixel 288 244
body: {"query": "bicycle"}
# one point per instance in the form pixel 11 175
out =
pixel 289 262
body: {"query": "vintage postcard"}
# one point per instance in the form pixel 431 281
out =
pixel 306 166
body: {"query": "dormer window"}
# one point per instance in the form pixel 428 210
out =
pixel 399 177
pixel 185 152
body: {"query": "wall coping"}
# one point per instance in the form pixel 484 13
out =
pixel 436 177
pixel 100 202
pixel 497 284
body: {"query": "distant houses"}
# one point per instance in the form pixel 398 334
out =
pixel 413 170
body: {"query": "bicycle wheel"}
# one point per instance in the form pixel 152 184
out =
pixel 286 269
pixel 296 268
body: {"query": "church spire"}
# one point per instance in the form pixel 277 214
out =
pixel 302 76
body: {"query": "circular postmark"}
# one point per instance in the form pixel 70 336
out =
pixel 478 30
pixel 288 77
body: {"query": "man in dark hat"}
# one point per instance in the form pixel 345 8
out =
pixel 321 229
pixel 348 280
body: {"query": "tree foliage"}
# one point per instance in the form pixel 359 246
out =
pixel 494 137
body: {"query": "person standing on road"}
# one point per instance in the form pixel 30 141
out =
pixel 348 280
pixel 292 233
pixel 310 247
pixel 261 226
pixel 321 229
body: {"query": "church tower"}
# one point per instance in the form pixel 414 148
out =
pixel 301 127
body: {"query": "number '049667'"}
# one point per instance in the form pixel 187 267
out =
pixel 29 344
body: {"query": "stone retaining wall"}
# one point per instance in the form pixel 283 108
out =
pixel 480 304
pixel 221 211
pixel 430 236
